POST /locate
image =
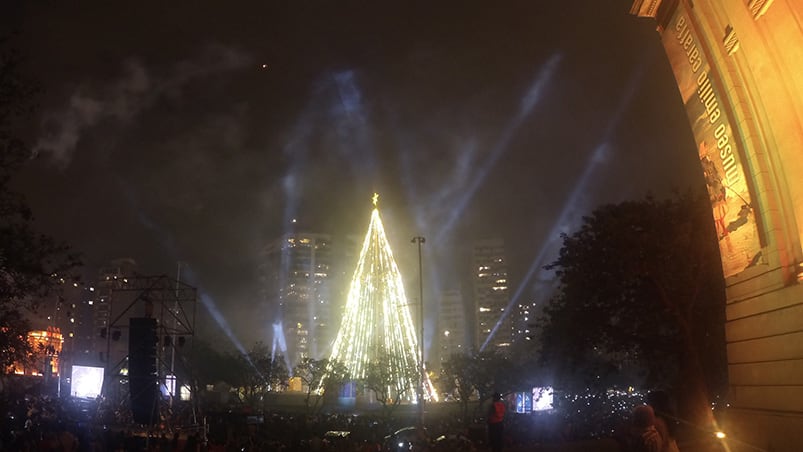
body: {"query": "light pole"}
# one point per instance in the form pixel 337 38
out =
pixel 420 241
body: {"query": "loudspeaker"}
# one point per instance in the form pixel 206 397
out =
pixel 142 375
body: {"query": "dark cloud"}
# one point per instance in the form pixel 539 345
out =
pixel 120 102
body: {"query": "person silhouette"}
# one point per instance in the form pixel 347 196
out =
pixel 496 418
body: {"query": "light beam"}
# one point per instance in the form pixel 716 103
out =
pixel 571 210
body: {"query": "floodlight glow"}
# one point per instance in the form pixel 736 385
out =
pixel 569 213
pixel 572 208
pixel 528 103
pixel 169 386
pixel 209 303
pixel 279 342
pixel 186 393
pixel 86 381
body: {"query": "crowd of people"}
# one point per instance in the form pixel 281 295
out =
pixel 40 422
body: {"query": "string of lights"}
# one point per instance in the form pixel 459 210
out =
pixel 377 315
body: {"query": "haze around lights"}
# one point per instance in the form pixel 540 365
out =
pixel 377 314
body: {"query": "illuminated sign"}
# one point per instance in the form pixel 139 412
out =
pixel 720 156
pixel 524 402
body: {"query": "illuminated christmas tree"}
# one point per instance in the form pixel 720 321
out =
pixel 377 318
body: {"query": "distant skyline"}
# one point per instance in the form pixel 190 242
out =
pixel 196 133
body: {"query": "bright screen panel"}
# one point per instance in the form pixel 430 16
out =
pixel 87 382
pixel 542 399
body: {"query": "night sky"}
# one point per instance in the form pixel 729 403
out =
pixel 195 131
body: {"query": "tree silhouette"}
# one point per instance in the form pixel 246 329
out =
pixel 480 375
pixel 390 383
pixel 641 296
pixel 31 264
pixel 456 379
pixel 259 373
pixel 317 372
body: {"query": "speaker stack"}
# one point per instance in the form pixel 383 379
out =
pixel 142 374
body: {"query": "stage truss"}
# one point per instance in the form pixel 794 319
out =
pixel 173 304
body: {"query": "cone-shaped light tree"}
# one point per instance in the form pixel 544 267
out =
pixel 376 323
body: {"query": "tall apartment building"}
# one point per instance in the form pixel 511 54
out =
pixel 452 332
pixel 738 67
pixel 76 315
pixel 491 295
pixel 523 323
pixel 299 291
pixel 111 277
pixel 82 314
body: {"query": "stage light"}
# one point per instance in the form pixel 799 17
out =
pixel 169 386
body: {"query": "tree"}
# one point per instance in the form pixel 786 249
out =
pixel 641 294
pixel 259 373
pixel 31 264
pixel 480 375
pixel 211 366
pixel 16 103
pixel 311 373
pixel 278 376
pixel 319 377
pixel 493 372
pixel 14 345
pixel 390 380
pixel 456 379
pixel 337 375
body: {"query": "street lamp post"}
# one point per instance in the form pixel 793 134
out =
pixel 420 241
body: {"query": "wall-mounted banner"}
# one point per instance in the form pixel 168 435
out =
pixel 720 158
